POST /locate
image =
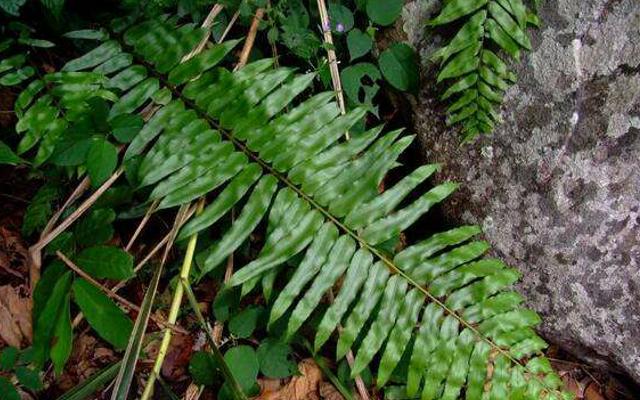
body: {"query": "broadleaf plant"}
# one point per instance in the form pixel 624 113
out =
pixel 471 64
pixel 248 140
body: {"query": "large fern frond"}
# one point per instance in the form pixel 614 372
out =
pixel 248 137
pixel 471 65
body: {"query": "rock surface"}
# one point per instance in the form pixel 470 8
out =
pixel 557 186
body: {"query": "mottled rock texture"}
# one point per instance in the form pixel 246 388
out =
pixel 557 186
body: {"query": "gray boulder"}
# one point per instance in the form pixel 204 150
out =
pixel 557 186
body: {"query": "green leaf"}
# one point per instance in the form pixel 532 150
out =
pixel 242 325
pixel 29 378
pixel 54 6
pixel 356 89
pixel 102 159
pixel 95 228
pixel 36 42
pixel 243 363
pixel 275 361
pixel 358 43
pixel 7 156
pixel 102 313
pixel 8 358
pixel 455 9
pixel 106 262
pixel 12 7
pixel 6 388
pixel 399 67
pixel 48 315
pixel 462 63
pixel 341 17
pixel 353 281
pixel 39 210
pixel 509 25
pixel 73 155
pixel 89 34
pixel 226 303
pixel 202 368
pixel 94 58
pixel 125 127
pixel 62 339
pixel 384 12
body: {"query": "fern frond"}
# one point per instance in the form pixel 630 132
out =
pixel 13 68
pixel 277 158
pixel 475 75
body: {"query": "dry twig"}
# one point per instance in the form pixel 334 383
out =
pixel 251 38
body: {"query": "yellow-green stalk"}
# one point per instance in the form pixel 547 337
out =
pixel 173 313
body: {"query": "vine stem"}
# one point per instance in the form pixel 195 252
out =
pixel 173 312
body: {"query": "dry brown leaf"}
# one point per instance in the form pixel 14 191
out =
pixel 593 392
pixel 192 392
pixel 87 357
pixel 13 253
pixel 9 329
pixel 329 392
pixel 15 315
pixel 177 359
pixel 303 387
pixel 270 385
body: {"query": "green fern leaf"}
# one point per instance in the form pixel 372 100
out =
pixel 475 76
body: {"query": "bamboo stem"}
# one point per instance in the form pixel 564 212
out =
pixel 173 312
pixel 331 57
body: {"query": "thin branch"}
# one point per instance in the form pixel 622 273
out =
pixel 113 295
pixel 251 38
pixel 229 26
pixel 152 208
pixel 362 388
pixel 75 195
pixel 207 24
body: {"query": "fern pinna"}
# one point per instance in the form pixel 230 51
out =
pixel 476 75
pixel 246 136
